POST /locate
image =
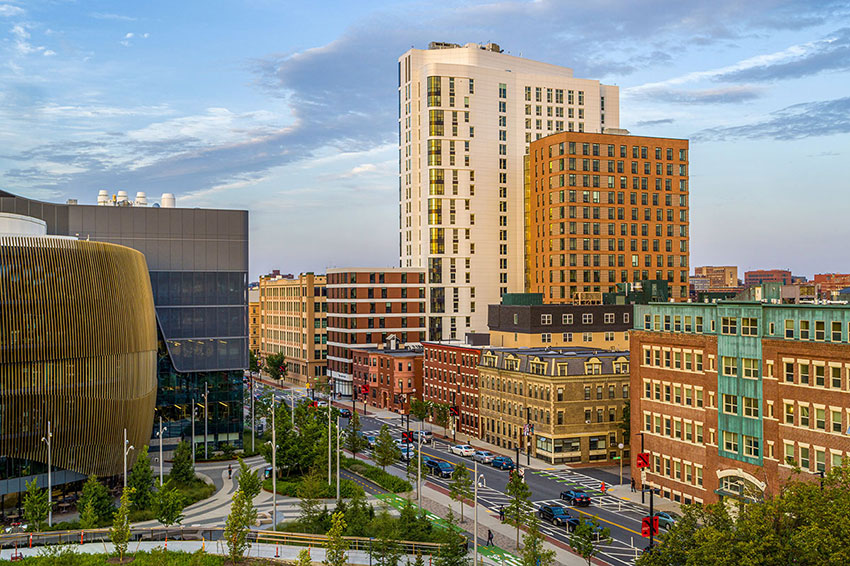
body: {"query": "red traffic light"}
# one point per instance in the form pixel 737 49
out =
pixel 407 437
pixel 649 525
pixel 314 404
pixel 454 411
pixel 365 389
pixel 642 460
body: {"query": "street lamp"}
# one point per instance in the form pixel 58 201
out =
pixel 419 467
pixel 642 473
pixel 330 458
pixel 49 441
pixel 161 430
pixel 274 466
pixel 482 481
pixel 127 448
pixel 253 424
pixel 206 417
pixel 338 480
pixel 621 446
pixel 193 432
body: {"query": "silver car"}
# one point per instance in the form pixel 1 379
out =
pixel 483 456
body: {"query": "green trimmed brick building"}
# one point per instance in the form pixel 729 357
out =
pixel 730 396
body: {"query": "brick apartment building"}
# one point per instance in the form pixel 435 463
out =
pixel 293 320
pixel 393 376
pixel 561 404
pixel 729 397
pixel 603 209
pixel 254 319
pixel 558 325
pixel 719 276
pixel 367 306
pixel 450 377
pixel 829 283
pixel 759 276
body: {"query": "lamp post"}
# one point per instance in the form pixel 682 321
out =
pixel 482 481
pixel 253 424
pixel 621 446
pixel 419 468
pixel 292 405
pixel 642 473
pixel 193 432
pixel 49 441
pixel 161 430
pixel 206 418
pixel 274 466
pixel 330 436
pixel 127 448
pixel 338 480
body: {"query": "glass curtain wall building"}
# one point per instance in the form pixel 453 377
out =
pixel 198 264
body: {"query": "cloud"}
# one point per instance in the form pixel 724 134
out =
pixel 22 44
pixel 648 123
pixel 129 35
pixel 809 119
pixel 116 17
pixel 726 95
pixel 8 11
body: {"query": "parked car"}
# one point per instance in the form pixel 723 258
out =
pixel 371 441
pixel 555 514
pixel 321 403
pixel 666 519
pixel 502 463
pixel 426 436
pixel 577 498
pixel 483 456
pixel 440 468
pixel 462 450
pixel 345 413
pixel 407 451
pixel 597 529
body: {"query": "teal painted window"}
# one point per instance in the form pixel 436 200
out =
pixel 699 325
pixel 730 404
pixel 804 330
pixel 730 441
pixel 729 325
pixel 751 446
pixel 836 332
pixel 789 329
pixel 820 333
pixel 751 407
pixel 729 366
pixel 749 326
pixel 750 367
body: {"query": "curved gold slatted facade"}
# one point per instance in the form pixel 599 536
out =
pixel 78 349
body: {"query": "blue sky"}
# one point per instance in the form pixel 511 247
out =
pixel 288 109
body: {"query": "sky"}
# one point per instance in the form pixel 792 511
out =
pixel 289 110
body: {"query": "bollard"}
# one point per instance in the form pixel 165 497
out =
pixel 277 551
pixel 166 540
pixel 203 543
pixel 30 541
pixel 81 537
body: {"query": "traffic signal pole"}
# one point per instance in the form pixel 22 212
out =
pixel 651 517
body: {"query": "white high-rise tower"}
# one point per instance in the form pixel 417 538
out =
pixel 466 117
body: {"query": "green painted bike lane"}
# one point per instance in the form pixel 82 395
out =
pixel 495 553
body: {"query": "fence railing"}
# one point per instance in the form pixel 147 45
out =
pixel 21 540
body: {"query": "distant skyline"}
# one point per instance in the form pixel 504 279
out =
pixel 289 110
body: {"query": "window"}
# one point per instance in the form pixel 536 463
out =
pixel 804 374
pixel 789 329
pixel 789 372
pixel 751 446
pixel 804 330
pixel 835 335
pixel 820 418
pixel 729 325
pixel 587 318
pixel 566 319
pixel 835 373
pixel 751 407
pixel 789 413
pixel 730 366
pixel 749 327
pixel 836 421
pixel 546 337
pixel 820 379
pixel 804 416
pixel 609 318
pixel 820 332
pixel 750 367
pixel 545 319
pixel 730 441
pixel 805 463
pixel 730 404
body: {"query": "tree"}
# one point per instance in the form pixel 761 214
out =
pixel 182 471
pixel 275 365
pixel 453 550
pixel 386 549
pixel 626 423
pixel 386 452
pixel 420 409
pixel 253 362
pixel 120 531
pixel 36 507
pixel 519 505
pixel 419 560
pixel 168 505
pixel 242 516
pixel 309 492
pixel 358 515
pixel 534 553
pixel 304 558
pixel 354 440
pixel 140 479
pixel 88 516
pixel 441 416
pixel 587 539
pixel 97 496
pixel 335 553
pixel 460 487
pixel 249 482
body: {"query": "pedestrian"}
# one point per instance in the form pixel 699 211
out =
pixel 489 537
pixel 502 513
pixel 603 488
pixel 229 471
pixel 633 485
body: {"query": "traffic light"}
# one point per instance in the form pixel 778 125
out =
pixel 365 389
pixel 407 437
pixel 454 411
pixel 314 404
pixel 649 526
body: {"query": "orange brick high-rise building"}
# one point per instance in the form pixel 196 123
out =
pixel 603 209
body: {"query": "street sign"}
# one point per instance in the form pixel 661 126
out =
pixel 617 458
pixel 649 526
pixel 642 460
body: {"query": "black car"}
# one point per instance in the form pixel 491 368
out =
pixel 557 515
pixel 577 498
pixel 345 413
pixel 440 468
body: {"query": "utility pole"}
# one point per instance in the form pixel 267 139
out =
pixel 517 458
pixel 161 430
pixel 193 431
pixel 127 447
pixel 475 511
pixel 274 466
pixel 49 441
pixel 528 436
pixel 621 446
pixel 651 517
pixel 642 474
pixel 419 469
pixel 253 424
pixel 330 436
pixel 338 479
pixel 206 418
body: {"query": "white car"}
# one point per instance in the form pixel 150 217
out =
pixel 462 450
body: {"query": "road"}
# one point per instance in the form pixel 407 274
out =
pixel 623 518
